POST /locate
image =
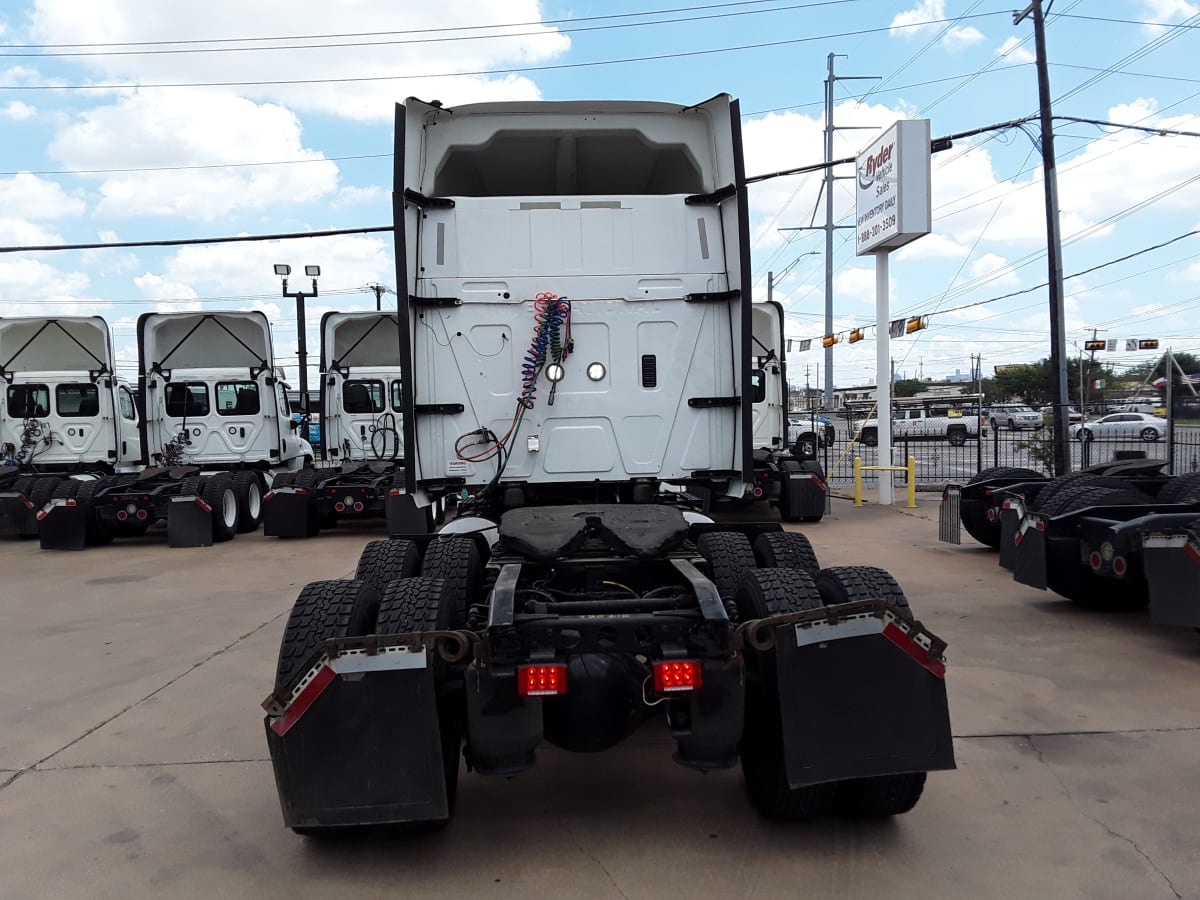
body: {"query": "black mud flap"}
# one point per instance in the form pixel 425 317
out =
pixel 860 697
pixel 806 494
pixel 18 518
pixel 63 525
pixel 360 747
pixel 286 513
pixel 949 515
pixel 403 515
pixel 1011 514
pixel 189 522
pixel 1029 556
pixel 1172 565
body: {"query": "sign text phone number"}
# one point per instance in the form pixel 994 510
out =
pixel 877 229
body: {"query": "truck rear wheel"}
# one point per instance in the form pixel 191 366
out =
pixel 248 488
pixel 43 489
pixel 762 593
pixel 99 533
pixel 456 560
pixel 786 549
pixel 729 557
pixel 848 584
pixel 385 561
pixel 1181 489
pixel 883 795
pixel 217 491
pixel 323 610
pixel 419 605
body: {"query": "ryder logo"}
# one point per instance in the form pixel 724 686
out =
pixel 874 165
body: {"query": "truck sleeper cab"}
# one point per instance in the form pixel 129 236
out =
pixel 575 327
pixel 63 412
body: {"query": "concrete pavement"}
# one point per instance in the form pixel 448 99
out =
pixel 134 762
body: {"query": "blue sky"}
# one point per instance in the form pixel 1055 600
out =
pixel 193 158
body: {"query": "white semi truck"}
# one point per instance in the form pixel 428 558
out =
pixel 65 413
pixel 362 424
pixel 215 430
pixel 575 338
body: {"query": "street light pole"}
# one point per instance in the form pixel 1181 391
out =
pixel 301 344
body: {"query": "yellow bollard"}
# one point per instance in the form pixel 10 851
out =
pixel 912 483
pixel 857 481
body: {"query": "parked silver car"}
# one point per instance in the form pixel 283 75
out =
pixel 1015 416
pixel 1122 425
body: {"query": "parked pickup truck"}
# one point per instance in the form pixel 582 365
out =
pixel 930 423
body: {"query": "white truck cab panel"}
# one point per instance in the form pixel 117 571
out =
pixel 62 405
pixel 362 415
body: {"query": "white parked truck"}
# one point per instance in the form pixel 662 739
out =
pixel 361 431
pixel 930 420
pixel 575 327
pixel 65 413
pixel 215 430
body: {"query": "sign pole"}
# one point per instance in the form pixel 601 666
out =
pixel 883 385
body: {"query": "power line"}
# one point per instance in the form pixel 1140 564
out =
pixel 421 40
pixel 505 71
pixel 183 242
pixel 354 34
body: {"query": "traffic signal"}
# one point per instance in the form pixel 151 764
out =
pixel 916 323
pixel 1094 345
pixel 829 340
pixel 1148 345
pixel 856 335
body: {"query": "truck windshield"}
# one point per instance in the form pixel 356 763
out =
pixel 77 400
pixel 187 398
pixel 237 398
pixel 362 397
pixel 28 401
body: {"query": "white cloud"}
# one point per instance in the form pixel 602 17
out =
pixel 195 127
pixel 351 195
pixel 919 18
pixel 960 38
pixel 1014 51
pixel 27 196
pixel 1161 12
pixel 166 295
pixel 350 58
pixel 18 111
pixel 993 270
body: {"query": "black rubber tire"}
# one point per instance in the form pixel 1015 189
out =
pixel 248 487
pixel 384 561
pixel 218 492
pixel 66 489
pixel 879 797
pixel 870 437
pixel 192 486
pixel 974 515
pixel 1084 435
pixel 1003 472
pixel 323 610
pixel 283 479
pixel 420 605
pixel 883 795
pixel 457 561
pixel 765 592
pixel 848 584
pixel 1070 578
pixel 1116 492
pixel 99 533
pixel 1150 435
pixel 957 437
pixel 23 484
pixel 805 445
pixel 729 557
pixel 43 489
pixel 1181 489
pixel 307 479
pixel 1052 487
pixel 786 549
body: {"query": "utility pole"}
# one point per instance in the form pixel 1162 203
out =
pixel 379 290
pixel 829 227
pixel 1058 338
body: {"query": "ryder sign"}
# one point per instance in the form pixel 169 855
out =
pixel 893 203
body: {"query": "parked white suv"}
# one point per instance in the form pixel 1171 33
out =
pixel 1015 416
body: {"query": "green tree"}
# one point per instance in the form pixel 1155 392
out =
pixel 908 387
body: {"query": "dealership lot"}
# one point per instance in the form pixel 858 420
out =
pixel 135 763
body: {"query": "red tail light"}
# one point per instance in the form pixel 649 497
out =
pixel 542 681
pixel 677 675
